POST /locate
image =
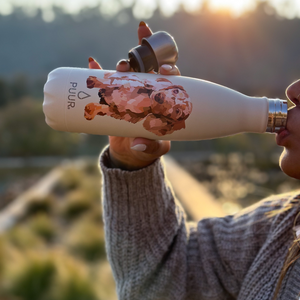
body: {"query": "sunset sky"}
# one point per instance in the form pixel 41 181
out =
pixel 145 8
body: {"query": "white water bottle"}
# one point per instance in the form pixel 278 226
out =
pixel 154 106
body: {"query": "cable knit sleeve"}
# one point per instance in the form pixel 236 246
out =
pixel 155 254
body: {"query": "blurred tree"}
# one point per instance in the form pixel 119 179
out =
pixel 4 92
pixel 23 132
pixel 19 86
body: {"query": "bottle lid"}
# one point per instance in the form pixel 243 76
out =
pixel 277 117
pixel 158 49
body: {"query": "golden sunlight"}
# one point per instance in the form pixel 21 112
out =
pixel 234 7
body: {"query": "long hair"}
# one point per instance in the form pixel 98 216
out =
pixel 292 255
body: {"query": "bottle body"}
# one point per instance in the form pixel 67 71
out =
pixel 153 106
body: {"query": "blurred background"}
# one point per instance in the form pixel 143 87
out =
pixel 57 240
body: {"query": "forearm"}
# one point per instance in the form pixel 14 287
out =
pixel 145 233
pixel 155 254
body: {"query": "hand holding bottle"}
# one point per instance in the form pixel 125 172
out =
pixel 136 153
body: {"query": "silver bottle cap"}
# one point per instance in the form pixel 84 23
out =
pixel 277 115
pixel 158 49
pixel 164 47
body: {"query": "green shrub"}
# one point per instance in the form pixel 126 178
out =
pixel 22 238
pixel 76 203
pixel 70 180
pixel 33 279
pixel 94 215
pixel 92 168
pixel 90 186
pixel 76 288
pixel 87 241
pixel 43 226
pixel 40 205
pixel 72 282
pixel 2 255
pixel 106 286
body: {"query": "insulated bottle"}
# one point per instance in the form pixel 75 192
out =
pixel 154 106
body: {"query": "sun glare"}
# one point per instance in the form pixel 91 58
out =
pixel 234 7
pixel 144 9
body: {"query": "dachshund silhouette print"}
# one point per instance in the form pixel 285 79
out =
pixel 163 106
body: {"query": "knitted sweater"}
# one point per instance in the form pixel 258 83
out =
pixel 156 254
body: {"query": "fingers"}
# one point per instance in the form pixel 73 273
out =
pixel 143 31
pixel 169 70
pixel 123 66
pixel 135 153
pixel 93 64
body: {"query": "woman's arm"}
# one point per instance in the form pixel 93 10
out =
pixel 155 254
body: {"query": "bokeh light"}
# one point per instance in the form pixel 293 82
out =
pixel 144 9
pixel 236 8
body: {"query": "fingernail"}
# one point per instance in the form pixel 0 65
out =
pixel 139 147
pixel 142 23
pixel 167 67
pixel 122 62
pixel 91 59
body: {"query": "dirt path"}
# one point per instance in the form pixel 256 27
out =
pixel 195 198
pixel 16 209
